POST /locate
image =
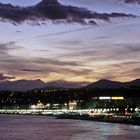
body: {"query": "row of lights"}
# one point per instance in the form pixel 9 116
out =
pixel 111 98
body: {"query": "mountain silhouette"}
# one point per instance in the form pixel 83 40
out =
pixel 112 84
pixel 21 85
pixel 24 85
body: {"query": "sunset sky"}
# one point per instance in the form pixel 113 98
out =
pixel 52 40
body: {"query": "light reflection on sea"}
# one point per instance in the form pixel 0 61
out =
pixel 14 127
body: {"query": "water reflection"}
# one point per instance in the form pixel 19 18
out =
pixel 47 128
pixel 109 131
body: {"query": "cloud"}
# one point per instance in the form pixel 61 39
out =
pixel 4 77
pixel 30 70
pixel 132 1
pixel 64 32
pixel 85 64
pixel 136 71
pixel 128 51
pixel 58 33
pixel 6 47
pixel 55 62
pixel 54 11
pixel 40 67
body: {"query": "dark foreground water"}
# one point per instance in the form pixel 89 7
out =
pixel 47 128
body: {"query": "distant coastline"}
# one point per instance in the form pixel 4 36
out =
pixel 86 118
pixel 100 119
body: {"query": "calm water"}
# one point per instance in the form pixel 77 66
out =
pixel 47 128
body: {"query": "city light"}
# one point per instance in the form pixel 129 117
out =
pixel 104 98
pixel 117 98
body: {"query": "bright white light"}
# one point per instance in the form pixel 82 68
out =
pixel 104 98
pixel 33 106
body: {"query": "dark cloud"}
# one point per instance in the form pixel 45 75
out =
pixel 127 50
pixel 132 72
pixel 42 50
pixel 136 70
pixel 6 47
pixel 127 64
pixel 53 10
pixel 134 48
pixel 30 70
pixel 17 65
pixel 56 62
pixel 5 77
pixel 132 1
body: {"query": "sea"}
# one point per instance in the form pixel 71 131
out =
pixel 23 127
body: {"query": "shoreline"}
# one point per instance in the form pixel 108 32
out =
pixel 86 118
pixel 107 120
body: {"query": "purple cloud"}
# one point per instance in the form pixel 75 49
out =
pixel 4 77
pixel 31 70
pixel 8 46
pixel 55 11
pixel 132 1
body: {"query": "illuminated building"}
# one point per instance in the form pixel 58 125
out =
pixel 72 105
